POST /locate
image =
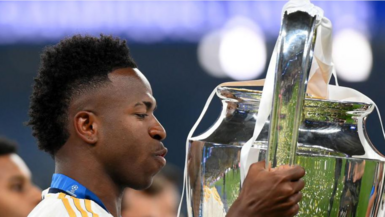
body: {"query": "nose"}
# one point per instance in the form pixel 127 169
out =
pixel 35 195
pixel 157 131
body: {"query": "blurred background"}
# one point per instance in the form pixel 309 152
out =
pixel 185 49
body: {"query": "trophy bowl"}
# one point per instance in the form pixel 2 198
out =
pixel 340 181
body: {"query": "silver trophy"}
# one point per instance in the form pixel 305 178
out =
pixel 323 136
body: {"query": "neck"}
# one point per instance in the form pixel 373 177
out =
pixel 91 175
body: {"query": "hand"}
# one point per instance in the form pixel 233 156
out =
pixel 273 193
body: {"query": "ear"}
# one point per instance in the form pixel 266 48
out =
pixel 86 126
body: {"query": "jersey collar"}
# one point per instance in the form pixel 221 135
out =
pixel 71 187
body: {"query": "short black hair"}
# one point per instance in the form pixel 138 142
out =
pixel 7 146
pixel 74 65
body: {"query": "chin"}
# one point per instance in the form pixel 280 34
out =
pixel 142 185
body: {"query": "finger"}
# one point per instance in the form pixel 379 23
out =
pixel 292 211
pixel 257 167
pixel 289 202
pixel 295 198
pixel 282 167
pixel 293 173
pixel 255 171
pixel 288 189
pixel 298 185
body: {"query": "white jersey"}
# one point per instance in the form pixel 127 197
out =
pixel 63 205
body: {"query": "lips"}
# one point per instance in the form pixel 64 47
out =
pixel 161 152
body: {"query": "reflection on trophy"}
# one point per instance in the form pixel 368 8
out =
pixel 325 135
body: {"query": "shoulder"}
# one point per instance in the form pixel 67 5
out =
pixel 62 205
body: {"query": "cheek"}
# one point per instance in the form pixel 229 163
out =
pixel 126 144
pixel 124 130
pixel 6 204
pixel 133 138
pixel 126 149
pixel 14 204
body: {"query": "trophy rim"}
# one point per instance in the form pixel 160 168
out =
pixel 259 93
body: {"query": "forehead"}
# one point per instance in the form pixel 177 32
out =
pixel 129 79
pixel 126 87
pixel 12 165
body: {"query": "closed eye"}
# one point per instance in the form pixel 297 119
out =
pixel 18 187
pixel 142 116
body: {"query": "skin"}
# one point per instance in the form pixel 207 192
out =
pixel 140 204
pixel 169 200
pixel 116 139
pixel 277 194
pixel 18 194
pixel 115 127
pixel 161 204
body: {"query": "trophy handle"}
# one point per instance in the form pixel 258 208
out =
pixel 295 54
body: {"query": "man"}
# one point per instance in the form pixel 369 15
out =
pixel 93 111
pixel 161 199
pixel 18 195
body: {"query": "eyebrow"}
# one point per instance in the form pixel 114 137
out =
pixel 17 178
pixel 148 105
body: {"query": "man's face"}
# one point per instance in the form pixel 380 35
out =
pixel 168 200
pixel 161 204
pixel 129 134
pixel 18 195
pixel 140 204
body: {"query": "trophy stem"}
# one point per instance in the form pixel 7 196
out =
pixel 295 53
